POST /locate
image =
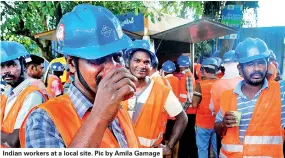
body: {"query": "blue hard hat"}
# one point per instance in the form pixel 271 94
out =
pixel 183 61
pixel 154 62
pixel 90 32
pixel 168 66
pixel 210 61
pixel 144 45
pixel 57 66
pixel 219 61
pixel 229 56
pixel 251 49
pixel 12 50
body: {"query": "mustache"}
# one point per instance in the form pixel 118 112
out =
pixel 8 76
pixel 257 73
pixel 141 69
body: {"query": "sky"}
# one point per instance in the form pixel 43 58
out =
pixel 271 13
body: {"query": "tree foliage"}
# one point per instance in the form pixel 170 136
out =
pixel 212 10
pixel 21 20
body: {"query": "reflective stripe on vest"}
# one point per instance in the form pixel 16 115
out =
pixel 149 142
pixel 257 157
pixel 232 148
pixel 263 140
pixel 183 96
pixel 253 140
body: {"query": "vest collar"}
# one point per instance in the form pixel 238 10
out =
pixel 239 92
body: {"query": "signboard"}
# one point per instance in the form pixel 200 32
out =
pixel 132 22
pixel 232 16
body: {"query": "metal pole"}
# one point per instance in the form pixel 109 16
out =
pixel 193 56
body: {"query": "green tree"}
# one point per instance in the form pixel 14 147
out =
pixel 21 20
pixel 212 10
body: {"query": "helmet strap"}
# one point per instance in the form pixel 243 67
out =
pixel 79 75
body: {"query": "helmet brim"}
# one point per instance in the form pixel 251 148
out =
pixel 252 58
pixel 13 57
pixel 131 50
pixel 91 53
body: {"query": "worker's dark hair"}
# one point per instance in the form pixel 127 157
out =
pixel 36 60
pixel 58 73
pixel 210 70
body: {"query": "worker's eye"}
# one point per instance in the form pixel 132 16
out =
pixel 97 61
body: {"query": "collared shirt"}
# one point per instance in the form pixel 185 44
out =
pixel 66 85
pixel 189 87
pixel 33 99
pixel 246 107
pixel 42 133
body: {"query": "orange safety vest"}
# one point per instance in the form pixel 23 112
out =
pixel 67 122
pixel 7 124
pixel 221 86
pixel 198 70
pixel 273 70
pixel 51 78
pixel 161 80
pixel 204 117
pixel 151 123
pixel 264 136
pixel 183 91
pixel 174 83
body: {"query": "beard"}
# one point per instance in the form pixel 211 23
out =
pixel 14 83
pixel 255 83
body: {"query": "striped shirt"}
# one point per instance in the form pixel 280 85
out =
pixel 189 89
pixel 246 107
pixel 42 133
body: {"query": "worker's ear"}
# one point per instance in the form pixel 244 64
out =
pixel 239 67
pixel 71 65
pixel 34 67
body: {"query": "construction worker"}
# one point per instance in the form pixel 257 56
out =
pixel 19 96
pixel 251 116
pixel 187 84
pixel 35 71
pixel 205 133
pixel 89 115
pixel 168 68
pixel 155 74
pixel 221 71
pixel 229 80
pixel 54 85
pixel 152 102
pixel 197 73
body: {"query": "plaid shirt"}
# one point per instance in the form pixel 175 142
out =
pixel 42 133
pixel 189 89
